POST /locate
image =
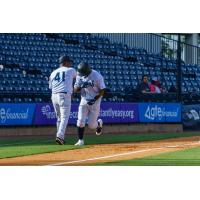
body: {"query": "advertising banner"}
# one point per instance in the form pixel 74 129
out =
pixel 110 113
pixel 160 112
pixel 16 114
pixel 45 114
pixel 119 112
pixel 152 112
pixel 191 116
pixel 173 112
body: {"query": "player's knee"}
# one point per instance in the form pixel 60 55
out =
pixel 58 119
pixel 63 118
pixel 80 123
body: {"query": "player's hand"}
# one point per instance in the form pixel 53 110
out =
pixel 91 102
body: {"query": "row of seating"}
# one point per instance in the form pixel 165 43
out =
pixel 40 100
pixel 29 59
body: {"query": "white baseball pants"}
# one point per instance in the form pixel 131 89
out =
pixel 88 112
pixel 62 106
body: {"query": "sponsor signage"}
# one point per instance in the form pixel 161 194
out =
pixel 119 112
pixel 152 112
pixel 173 112
pixel 160 112
pixel 16 114
pixel 45 114
pixel 109 112
pixel 191 116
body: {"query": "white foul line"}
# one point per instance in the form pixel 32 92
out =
pixel 121 154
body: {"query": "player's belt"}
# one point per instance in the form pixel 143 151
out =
pixel 61 93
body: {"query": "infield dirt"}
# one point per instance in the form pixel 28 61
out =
pixel 104 153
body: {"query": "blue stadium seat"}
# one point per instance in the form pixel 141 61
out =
pixel 17 100
pixel 28 100
pixel 40 52
pixel 7 100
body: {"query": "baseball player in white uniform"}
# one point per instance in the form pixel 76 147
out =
pixel 92 87
pixel 61 84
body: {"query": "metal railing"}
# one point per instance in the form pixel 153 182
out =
pixel 156 43
pixel 190 54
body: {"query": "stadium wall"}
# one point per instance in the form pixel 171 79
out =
pixel 42 114
pixel 40 119
pixel 148 41
pixel 107 129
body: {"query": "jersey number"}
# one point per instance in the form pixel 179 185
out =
pixel 57 77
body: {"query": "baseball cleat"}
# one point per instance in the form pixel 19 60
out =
pixel 99 127
pixel 80 143
pixel 60 141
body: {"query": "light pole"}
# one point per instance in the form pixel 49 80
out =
pixel 179 70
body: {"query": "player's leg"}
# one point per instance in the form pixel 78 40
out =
pixel 56 109
pixel 58 117
pixel 93 121
pixel 82 116
pixel 65 107
pixel 56 106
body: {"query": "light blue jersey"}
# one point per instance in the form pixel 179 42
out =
pixel 61 80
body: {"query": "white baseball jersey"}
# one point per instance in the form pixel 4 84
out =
pixel 95 84
pixel 61 80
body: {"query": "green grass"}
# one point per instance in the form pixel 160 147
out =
pixel 32 149
pixel 21 146
pixel 125 138
pixel 188 157
pixel 17 147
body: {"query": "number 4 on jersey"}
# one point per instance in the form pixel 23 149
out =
pixel 57 77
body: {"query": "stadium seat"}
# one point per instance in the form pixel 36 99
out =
pixel 21 52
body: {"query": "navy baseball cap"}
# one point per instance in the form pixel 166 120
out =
pixel 64 59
